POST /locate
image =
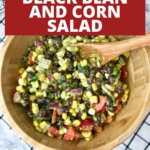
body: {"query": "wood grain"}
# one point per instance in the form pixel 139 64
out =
pixel 126 122
pixel 109 51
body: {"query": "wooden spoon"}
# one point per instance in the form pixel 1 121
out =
pixel 108 51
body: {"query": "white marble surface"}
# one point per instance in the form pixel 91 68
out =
pixel 9 140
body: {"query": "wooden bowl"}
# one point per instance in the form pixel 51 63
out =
pixel 126 121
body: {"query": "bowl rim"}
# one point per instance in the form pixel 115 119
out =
pixel 135 123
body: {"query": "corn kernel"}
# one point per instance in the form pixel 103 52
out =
pixel 64 67
pixel 35 108
pixel 67 121
pixel 110 113
pixel 119 83
pixel 24 75
pixel 86 134
pixel 89 94
pixel 75 63
pixel 94 99
pixel 67 97
pixel 35 123
pixel 21 70
pixel 74 104
pixel 89 138
pixel 42 77
pixel 126 91
pixel 82 76
pixel 95 87
pixel 33 58
pixel 76 49
pixel 127 54
pixel 35 54
pixel 93 59
pixel 84 116
pixel 91 111
pixel 50 135
pixel 98 75
pixel 124 98
pixel 83 63
pixel 43 125
pixel 68 76
pixel 35 84
pixel 82 106
pixel 117 58
pixel 76 123
pixel 63 94
pixel 116 95
pixel 104 41
pixel 39 94
pixel 71 110
pixel 110 87
pixel 65 130
pixel 124 86
pixel 61 132
pixel 118 66
pixel 74 114
pixel 20 89
pixel 32 97
pixel 22 82
pixel 64 116
pixel 56 75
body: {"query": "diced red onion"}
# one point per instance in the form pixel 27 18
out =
pixel 50 76
pixel 76 92
pixel 39 43
pixel 54 105
pixel 17 97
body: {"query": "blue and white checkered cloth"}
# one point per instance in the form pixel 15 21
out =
pixel 9 140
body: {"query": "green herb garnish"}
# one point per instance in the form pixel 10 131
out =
pixel 34 79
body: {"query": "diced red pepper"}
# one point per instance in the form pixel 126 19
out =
pixel 118 107
pixel 78 135
pixel 30 105
pixel 87 125
pixel 70 134
pixel 14 91
pixel 55 89
pixel 109 119
pixel 58 111
pixel 67 126
pixel 123 73
pixel 119 98
pixel 19 77
pixel 98 129
pixel 30 59
pixel 101 106
pixel 54 131
pixel 54 116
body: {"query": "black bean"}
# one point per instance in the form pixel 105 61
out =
pixel 65 84
pixel 111 64
pixel 109 101
pixel 42 113
pixel 85 72
pixel 47 100
pixel 30 113
pixel 87 104
pixel 24 59
pixel 123 59
pixel 92 72
pixel 55 69
pixel 69 102
pixel 89 88
pixel 58 94
pixel 120 90
pixel 40 99
pixel 25 96
pixel 75 83
pixel 90 80
pixel 30 75
pixel 58 118
pixel 98 81
pixel 45 38
pixel 111 79
pixel 96 124
pixel 68 55
pixel 70 66
pixel 49 89
pixel 49 113
pixel 112 109
pixel 62 78
pixel 109 70
pixel 64 109
pixel 57 40
pixel 93 36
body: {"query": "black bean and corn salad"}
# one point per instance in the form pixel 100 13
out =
pixel 66 96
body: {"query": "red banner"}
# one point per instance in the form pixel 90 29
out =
pixel 75 17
